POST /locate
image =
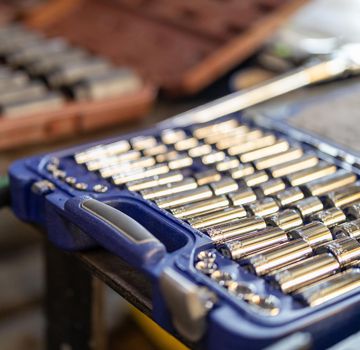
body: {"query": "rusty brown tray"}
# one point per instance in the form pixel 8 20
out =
pixel 180 46
pixel 73 119
pixel 177 46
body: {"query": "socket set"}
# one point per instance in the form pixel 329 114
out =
pixel 265 203
pixel 39 74
pixel 263 225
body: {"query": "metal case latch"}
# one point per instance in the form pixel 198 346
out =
pixel 188 303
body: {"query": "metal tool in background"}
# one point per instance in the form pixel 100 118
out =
pixel 345 61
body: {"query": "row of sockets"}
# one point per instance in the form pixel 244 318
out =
pixel 172 189
pixel 145 158
pixel 309 261
pixel 314 294
pixel 325 264
pixel 31 58
pixel 221 200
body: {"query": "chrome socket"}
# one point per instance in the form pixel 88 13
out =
pixel 253 242
pixel 235 229
pixel 218 217
pixel 287 219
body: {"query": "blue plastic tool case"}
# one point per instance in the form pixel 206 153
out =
pixel 185 301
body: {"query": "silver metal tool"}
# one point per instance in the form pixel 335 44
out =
pixel 213 157
pixel 227 163
pixel 318 171
pixel 330 288
pixel 97 164
pixel 252 145
pixel 232 140
pixel 186 144
pixel 353 210
pixel 199 151
pixel 46 64
pixel 81 186
pixel 169 189
pixel 100 188
pixel 48 102
pixel 314 233
pixel 111 83
pixel 224 186
pixel 241 171
pixel 193 209
pixel 206 255
pixel 207 176
pixel 70 180
pixel 283 254
pixel 350 229
pixel 100 151
pixel 242 196
pixel 159 148
pixel 72 72
pixel 329 217
pixel 127 166
pixel 171 136
pixel 179 162
pixel 305 272
pixel 140 143
pixel 140 173
pixel 287 219
pixel 31 53
pixel 239 133
pixel 268 305
pixel 344 196
pixel 344 61
pixel 263 207
pixel 342 253
pixel 244 291
pixel 207 267
pixel 278 147
pixel 218 217
pixel 203 131
pixel 270 187
pixel 192 196
pixel 308 206
pixel 280 158
pixel 288 196
pixel 331 182
pixel 293 166
pixel 305 240
pixel 223 278
pixel 253 242
pixel 235 229
pixel 23 93
pixel 346 251
pixel 255 178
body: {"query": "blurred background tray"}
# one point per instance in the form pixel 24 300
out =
pixel 178 47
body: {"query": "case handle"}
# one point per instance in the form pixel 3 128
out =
pixel 116 231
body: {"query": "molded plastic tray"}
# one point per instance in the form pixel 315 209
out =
pixel 232 323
